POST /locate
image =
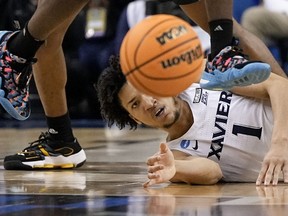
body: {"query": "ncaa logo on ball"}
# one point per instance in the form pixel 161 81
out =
pixel 171 34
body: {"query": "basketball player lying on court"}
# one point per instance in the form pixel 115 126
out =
pixel 237 136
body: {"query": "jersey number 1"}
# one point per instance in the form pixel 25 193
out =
pixel 247 130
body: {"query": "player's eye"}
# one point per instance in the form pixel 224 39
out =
pixel 135 105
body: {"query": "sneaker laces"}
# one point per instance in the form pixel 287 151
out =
pixel 18 82
pixel 23 78
pixel 228 58
pixel 41 141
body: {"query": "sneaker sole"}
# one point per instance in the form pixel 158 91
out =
pixel 252 73
pixel 5 103
pixel 59 162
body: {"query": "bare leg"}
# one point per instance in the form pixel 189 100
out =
pixel 50 14
pixel 54 17
pixel 219 9
pixel 50 75
pixel 50 70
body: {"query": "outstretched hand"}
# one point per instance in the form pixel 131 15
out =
pixel 161 166
pixel 274 164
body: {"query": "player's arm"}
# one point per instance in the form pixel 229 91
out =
pixel 275 89
pixel 276 160
pixel 266 89
pixel 195 170
pixel 177 166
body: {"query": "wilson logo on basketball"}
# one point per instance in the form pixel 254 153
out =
pixel 187 57
pixel 173 33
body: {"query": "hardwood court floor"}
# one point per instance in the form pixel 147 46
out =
pixel 110 183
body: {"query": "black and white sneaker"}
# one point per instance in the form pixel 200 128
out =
pixel 46 153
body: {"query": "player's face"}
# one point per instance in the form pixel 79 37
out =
pixel 152 111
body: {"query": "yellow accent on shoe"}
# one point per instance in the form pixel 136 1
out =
pixel 44 151
pixel 67 166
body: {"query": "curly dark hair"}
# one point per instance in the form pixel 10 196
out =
pixel 108 86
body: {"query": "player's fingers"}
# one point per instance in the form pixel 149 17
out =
pixel 163 148
pixel 269 174
pixel 285 172
pixel 152 169
pixel 151 160
pixel 276 174
pixel 149 183
pixel 152 176
pixel 146 184
pixel 261 175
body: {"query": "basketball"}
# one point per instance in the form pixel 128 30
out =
pixel 161 56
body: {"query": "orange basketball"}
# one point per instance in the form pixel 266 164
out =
pixel 161 55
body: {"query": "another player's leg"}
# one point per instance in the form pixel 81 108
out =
pixel 241 75
pixel 56 148
pixel 17 51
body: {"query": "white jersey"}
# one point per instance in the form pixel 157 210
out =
pixel 231 130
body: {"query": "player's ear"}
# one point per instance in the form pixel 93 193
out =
pixel 136 120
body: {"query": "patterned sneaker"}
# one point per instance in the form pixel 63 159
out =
pixel 14 85
pixel 46 153
pixel 230 68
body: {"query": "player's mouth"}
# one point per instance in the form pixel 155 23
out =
pixel 159 112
